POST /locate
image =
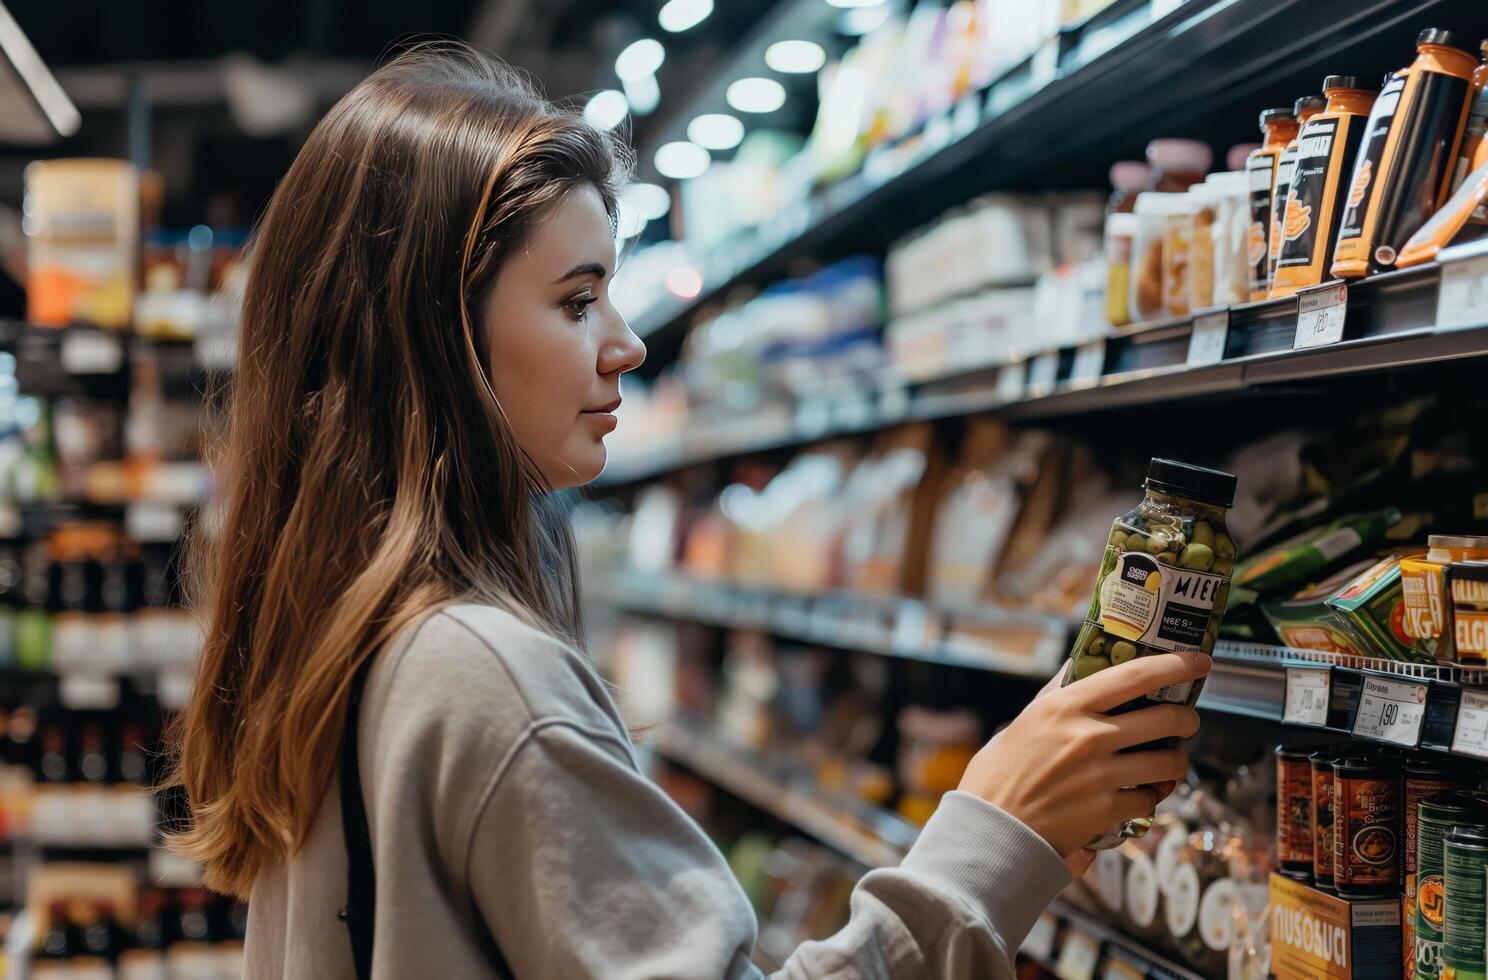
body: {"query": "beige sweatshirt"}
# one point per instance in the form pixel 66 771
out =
pixel 508 811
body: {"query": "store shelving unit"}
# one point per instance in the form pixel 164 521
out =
pixel 870 836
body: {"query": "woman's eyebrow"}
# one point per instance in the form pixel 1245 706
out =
pixel 583 269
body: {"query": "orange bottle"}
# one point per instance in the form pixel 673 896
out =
pixel 1404 170
pixel 1326 148
pixel 1474 150
pixel 1306 107
pixel 1279 127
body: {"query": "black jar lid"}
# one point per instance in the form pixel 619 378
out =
pixel 1436 35
pixel 1292 753
pixel 1346 81
pixel 1316 102
pixel 1473 835
pixel 1448 804
pixel 1426 767
pixel 1195 482
pixel 1270 115
pixel 1356 764
pixel 1325 756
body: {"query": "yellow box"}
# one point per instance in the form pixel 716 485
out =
pixel 1317 935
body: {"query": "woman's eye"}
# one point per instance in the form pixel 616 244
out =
pixel 578 306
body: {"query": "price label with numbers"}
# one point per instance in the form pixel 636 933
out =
pixel 1462 298
pixel 1320 315
pixel 1042 373
pixel 1089 363
pixel 1307 690
pixel 1391 710
pixel 1079 956
pixel 1206 345
pixel 1471 734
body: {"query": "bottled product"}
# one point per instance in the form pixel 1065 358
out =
pixel 1228 241
pixel 1473 152
pixel 1294 810
pixel 1464 218
pixel 1279 127
pixel 1326 147
pixel 1177 164
pixel 1465 865
pixel 1435 818
pixel 1286 167
pixel 1401 180
pixel 1148 294
pixel 1120 233
pixel 1366 825
pixel 1128 179
pixel 1176 251
pixel 1163 584
pixel 1321 764
pixel 1203 217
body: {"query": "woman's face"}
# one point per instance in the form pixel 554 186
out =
pixel 558 347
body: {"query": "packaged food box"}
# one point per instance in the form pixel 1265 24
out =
pixel 1306 622
pixel 1305 556
pixel 1315 934
pixel 82 220
pixel 1428 610
pixel 1467 583
pixel 1371 607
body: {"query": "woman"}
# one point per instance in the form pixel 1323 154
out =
pixel 428 347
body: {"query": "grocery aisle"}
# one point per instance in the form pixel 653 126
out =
pixel 931 290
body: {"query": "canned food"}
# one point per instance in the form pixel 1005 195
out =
pixel 1466 865
pixel 1366 825
pixel 1294 836
pixel 1423 777
pixel 1435 818
pixel 1322 815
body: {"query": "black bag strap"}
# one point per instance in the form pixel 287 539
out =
pixel 359 912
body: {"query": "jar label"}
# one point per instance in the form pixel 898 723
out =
pixel 1141 891
pixel 1158 604
pixel 1167 855
pixel 1183 901
pixel 1217 915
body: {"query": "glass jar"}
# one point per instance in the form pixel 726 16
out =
pixel 1120 232
pixel 1146 286
pixel 1177 254
pixel 1163 586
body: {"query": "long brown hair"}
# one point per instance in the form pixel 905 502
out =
pixel 368 476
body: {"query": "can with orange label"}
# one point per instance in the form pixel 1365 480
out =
pixel 1294 812
pixel 1326 148
pixel 1366 825
pixel 1404 170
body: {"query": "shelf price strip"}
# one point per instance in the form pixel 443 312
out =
pixel 1307 696
pixel 1320 316
pixel 1470 736
pixel 1462 297
pixel 1079 955
pixel 1206 344
pixel 1391 710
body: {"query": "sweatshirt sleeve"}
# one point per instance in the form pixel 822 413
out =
pixel 581 866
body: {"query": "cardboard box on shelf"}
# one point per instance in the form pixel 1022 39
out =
pixel 1315 934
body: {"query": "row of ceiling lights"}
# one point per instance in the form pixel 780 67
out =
pixel 637 64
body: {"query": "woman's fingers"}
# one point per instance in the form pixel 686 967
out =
pixel 1150 724
pixel 1115 686
pixel 1147 769
pixel 1134 804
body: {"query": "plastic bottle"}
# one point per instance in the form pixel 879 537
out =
pixel 1326 148
pixel 1473 152
pixel 1177 164
pixel 1400 180
pixel 1279 127
pixel 1306 107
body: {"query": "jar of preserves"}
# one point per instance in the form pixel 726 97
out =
pixel 1162 587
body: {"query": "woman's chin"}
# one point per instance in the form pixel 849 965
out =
pixel 578 468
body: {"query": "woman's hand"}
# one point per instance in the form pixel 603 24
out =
pixel 1059 767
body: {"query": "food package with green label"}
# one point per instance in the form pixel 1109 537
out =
pixel 1371 607
pixel 1163 585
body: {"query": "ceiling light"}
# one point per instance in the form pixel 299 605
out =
pixel 606 109
pixel 856 3
pixel 756 95
pixel 862 20
pixel 643 94
pixel 795 57
pixel 679 15
pixel 681 160
pixel 639 59
pixel 650 200
pixel 716 131
pixel 684 281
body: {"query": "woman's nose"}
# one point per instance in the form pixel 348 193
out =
pixel 622 352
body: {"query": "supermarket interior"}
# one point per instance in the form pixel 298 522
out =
pixel 990 342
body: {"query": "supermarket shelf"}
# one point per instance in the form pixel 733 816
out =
pixel 979 638
pixel 870 836
pixel 1391 322
pixel 1145 68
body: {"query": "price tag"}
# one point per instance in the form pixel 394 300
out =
pixel 911 626
pixel 86 692
pixel 937 133
pixel 1042 373
pixel 966 115
pixel 1320 315
pixel 1471 735
pixel 91 353
pixel 1089 364
pixel 1079 956
pixel 1119 969
pixel 1391 710
pixel 1010 383
pixel 1206 345
pixel 1045 65
pixel 1307 690
pixel 1039 944
pixel 1462 299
